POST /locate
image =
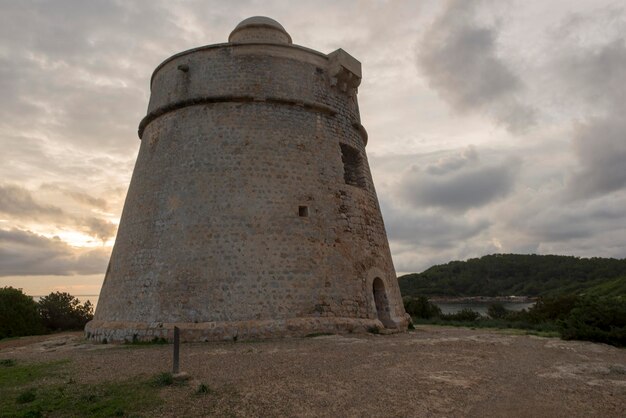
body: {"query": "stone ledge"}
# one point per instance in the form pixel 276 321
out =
pixel 198 101
pixel 118 331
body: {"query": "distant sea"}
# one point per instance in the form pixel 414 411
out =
pixel 480 307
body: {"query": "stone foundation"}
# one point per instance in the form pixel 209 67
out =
pixel 231 331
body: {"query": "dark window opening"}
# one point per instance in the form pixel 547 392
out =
pixel 353 173
pixel 303 211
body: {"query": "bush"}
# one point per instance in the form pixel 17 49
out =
pixel 62 311
pixel 421 307
pixel 497 310
pixel 18 314
pixel 465 315
pixel 26 396
pixel 163 379
pixel 552 309
pixel 599 319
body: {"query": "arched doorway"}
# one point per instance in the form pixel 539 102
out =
pixel 382 303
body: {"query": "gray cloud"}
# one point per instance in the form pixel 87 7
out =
pixel 18 201
pixel 77 195
pixel 24 253
pixel 459 59
pixel 420 238
pixel 20 205
pixel 598 76
pixel 600 145
pixel 459 182
pixel 430 230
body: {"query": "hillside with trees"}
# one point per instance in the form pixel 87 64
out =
pixel 520 275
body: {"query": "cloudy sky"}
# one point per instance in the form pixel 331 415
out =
pixel 494 126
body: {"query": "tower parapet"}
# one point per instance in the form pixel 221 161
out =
pixel 251 211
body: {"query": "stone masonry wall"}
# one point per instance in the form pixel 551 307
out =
pixel 237 141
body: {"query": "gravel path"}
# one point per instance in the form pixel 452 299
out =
pixel 432 371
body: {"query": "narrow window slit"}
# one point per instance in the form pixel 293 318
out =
pixel 303 211
pixel 353 173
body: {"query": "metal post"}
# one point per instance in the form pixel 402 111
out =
pixel 176 367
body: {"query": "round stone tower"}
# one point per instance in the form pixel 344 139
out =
pixel 251 211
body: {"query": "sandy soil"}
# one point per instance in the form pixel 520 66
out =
pixel 432 371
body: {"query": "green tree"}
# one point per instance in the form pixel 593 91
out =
pixel 601 319
pixel 464 315
pixel 421 307
pixel 519 274
pixel 18 314
pixel 62 311
pixel 497 310
pixel 553 308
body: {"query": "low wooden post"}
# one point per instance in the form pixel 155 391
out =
pixel 176 362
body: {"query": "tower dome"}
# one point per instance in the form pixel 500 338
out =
pixel 259 29
pixel 251 211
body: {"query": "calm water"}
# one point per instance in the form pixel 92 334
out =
pixel 480 307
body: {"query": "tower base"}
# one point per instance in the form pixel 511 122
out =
pixel 118 331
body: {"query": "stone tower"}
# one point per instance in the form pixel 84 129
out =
pixel 251 211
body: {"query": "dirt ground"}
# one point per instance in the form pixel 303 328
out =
pixel 432 371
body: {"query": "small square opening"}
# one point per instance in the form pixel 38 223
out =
pixel 303 211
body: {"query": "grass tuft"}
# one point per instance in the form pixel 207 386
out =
pixel 9 362
pixel 203 389
pixel 26 396
pixel 163 379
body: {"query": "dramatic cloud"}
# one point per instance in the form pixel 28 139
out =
pixel 600 145
pixel 25 253
pixel 77 195
pixel 599 77
pixel 74 77
pixel 15 200
pixel 459 58
pixel 459 182
pixel 18 203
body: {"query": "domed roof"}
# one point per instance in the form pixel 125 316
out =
pixel 259 29
pixel 260 21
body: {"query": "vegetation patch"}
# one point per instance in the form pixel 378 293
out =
pixel 163 379
pixel 140 343
pixel 44 389
pixel 591 318
pixel 520 274
pixel 203 389
pixel 21 315
pixel 7 362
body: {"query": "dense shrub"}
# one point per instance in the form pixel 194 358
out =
pixel 421 307
pixel 596 319
pixel 552 309
pixel 590 318
pixel 18 314
pixel 466 315
pixel 519 274
pixel 62 311
pixel 497 310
